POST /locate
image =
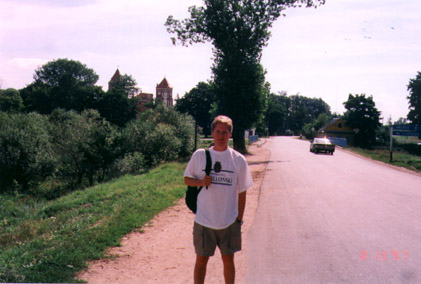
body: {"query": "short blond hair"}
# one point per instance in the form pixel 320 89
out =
pixel 222 119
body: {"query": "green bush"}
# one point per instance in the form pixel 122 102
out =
pixel 131 163
pixel 160 135
pixel 86 146
pixel 26 153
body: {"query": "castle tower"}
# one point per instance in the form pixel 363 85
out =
pixel 164 92
pixel 114 79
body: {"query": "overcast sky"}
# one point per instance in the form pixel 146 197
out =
pixel 345 46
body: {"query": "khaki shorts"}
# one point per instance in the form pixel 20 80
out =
pixel 228 240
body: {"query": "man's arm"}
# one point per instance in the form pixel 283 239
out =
pixel 241 205
pixel 206 181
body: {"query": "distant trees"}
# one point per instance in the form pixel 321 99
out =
pixel 277 113
pixel 198 102
pixel 303 110
pixel 289 114
pixel 414 98
pixel 50 155
pixel 10 100
pixel 70 85
pixel 62 83
pixel 363 116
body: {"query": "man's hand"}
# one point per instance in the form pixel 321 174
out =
pixel 207 181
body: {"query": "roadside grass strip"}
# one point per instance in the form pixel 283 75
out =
pixel 50 241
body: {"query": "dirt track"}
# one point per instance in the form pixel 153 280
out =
pixel 162 251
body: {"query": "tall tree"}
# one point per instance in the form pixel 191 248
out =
pixel 117 107
pixel 62 83
pixel 198 103
pixel 305 110
pixel 119 104
pixel 363 116
pixel 277 113
pixel 414 98
pixel 10 100
pixel 238 30
pixel 126 83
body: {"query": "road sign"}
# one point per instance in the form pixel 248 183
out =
pixel 407 130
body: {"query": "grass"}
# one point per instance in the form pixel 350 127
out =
pixel 50 241
pixel 400 158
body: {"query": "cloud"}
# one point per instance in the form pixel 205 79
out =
pixel 27 63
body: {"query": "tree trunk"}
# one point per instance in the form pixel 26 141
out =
pixel 239 141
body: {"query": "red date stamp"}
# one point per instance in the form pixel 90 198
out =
pixel 383 255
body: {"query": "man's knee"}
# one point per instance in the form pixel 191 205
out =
pixel 228 259
pixel 202 260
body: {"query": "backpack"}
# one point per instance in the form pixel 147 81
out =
pixel 193 191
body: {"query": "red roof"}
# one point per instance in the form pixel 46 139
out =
pixel 164 84
pixel 115 76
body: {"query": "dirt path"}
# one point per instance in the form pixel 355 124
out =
pixel 163 251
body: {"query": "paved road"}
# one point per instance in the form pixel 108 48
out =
pixel 334 219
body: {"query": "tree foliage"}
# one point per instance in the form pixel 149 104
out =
pixel 414 98
pixel 277 113
pixel 238 30
pixel 10 100
pixel 363 116
pixel 117 107
pixel 289 114
pixel 310 129
pixel 26 153
pixel 198 103
pixel 126 83
pixel 86 146
pixel 62 83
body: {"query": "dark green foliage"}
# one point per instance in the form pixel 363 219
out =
pixel 160 135
pixel 363 116
pixel 10 100
pixel 49 157
pixel 414 98
pixel 125 83
pixel 310 129
pixel 62 83
pixel 117 107
pixel 198 103
pixel 277 113
pixel 86 146
pixel 291 114
pixel 26 153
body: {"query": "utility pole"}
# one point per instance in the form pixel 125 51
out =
pixel 391 143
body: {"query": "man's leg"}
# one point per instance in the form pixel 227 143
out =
pixel 200 269
pixel 229 268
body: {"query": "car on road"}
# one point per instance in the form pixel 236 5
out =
pixel 322 145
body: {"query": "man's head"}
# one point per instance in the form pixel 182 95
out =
pixel 221 132
pixel 222 119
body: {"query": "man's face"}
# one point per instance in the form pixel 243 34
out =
pixel 221 136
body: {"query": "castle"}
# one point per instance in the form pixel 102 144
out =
pixel 163 93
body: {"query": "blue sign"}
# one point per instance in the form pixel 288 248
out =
pixel 407 127
pixel 407 130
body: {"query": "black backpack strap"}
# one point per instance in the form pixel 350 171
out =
pixel 208 163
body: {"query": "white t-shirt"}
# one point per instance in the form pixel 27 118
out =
pixel 217 206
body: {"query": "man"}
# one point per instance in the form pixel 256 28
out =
pixel 221 202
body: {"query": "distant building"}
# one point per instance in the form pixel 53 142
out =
pixel 164 93
pixel 114 78
pixel 144 100
pixel 336 129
